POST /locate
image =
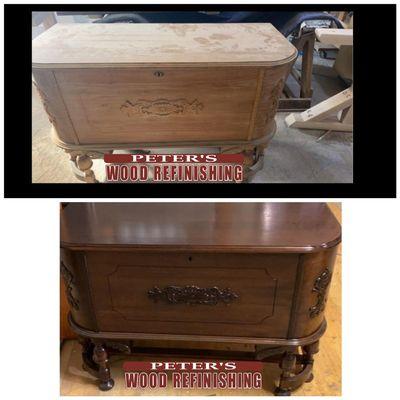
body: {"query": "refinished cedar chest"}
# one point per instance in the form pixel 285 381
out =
pixel 135 86
pixel 255 273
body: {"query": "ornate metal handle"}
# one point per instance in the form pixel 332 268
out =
pixel 192 295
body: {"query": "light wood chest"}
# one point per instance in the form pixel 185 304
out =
pixel 108 86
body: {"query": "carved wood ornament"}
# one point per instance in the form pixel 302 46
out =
pixel 273 105
pixel 320 287
pixel 45 103
pixel 193 295
pixel 161 107
pixel 69 279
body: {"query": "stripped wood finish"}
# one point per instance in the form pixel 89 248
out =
pixel 120 85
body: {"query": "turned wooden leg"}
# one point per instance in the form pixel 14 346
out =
pixel 84 163
pixel 288 366
pixel 100 357
pixel 81 164
pixel 87 356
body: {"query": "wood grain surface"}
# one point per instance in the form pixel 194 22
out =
pixel 265 227
pixel 113 84
pixel 169 44
pixel 260 309
pixel 125 105
pixel 113 106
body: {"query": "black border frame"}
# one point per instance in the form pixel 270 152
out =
pixel 374 112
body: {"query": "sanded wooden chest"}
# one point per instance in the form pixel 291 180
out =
pixel 107 86
pixel 121 83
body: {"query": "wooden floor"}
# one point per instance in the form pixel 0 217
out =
pixel 327 369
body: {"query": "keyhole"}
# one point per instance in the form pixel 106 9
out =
pixel 190 258
pixel 158 74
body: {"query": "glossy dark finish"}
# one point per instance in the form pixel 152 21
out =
pixel 309 269
pixel 264 283
pixel 100 357
pixel 118 336
pixel 192 295
pixel 266 227
pixel 78 288
pixel 255 273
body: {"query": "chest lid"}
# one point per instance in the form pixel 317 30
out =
pixel 223 227
pixel 124 45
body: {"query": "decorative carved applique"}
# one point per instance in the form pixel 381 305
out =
pixel 69 280
pixel 320 287
pixel 193 295
pixel 273 104
pixel 161 107
pixel 45 103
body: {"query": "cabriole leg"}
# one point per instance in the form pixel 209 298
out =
pixel 100 357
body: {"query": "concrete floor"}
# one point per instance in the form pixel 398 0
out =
pixel 294 155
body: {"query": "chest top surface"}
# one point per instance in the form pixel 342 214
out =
pixel 103 45
pixel 245 227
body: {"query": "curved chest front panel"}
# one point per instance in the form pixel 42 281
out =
pixel 154 83
pixel 240 295
pixel 111 105
pixel 191 294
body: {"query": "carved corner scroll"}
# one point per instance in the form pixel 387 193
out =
pixel 161 107
pixel 69 280
pixel 193 295
pixel 45 103
pixel 274 102
pixel 320 287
